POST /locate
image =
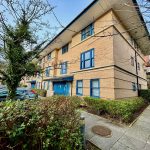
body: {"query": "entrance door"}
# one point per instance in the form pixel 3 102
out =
pixel 32 85
pixel 61 88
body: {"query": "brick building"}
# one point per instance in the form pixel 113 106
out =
pixel 97 54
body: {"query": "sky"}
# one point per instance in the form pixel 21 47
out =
pixel 65 10
pixel 68 9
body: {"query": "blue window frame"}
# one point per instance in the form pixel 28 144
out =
pixel 95 88
pixel 47 71
pixel 49 56
pixel 132 61
pixel 38 75
pixel 65 48
pixel 48 85
pixel 39 87
pixel 134 86
pixel 87 59
pixel 63 68
pixel 138 66
pixel 79 87
pixel 88 31
pixel 44 86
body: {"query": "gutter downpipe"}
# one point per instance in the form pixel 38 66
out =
pixel 137 73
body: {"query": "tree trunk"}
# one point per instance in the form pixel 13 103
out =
pixel 12 91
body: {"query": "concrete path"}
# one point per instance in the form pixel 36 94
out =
pixel 136 137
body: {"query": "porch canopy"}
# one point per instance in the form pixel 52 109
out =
pixel 64 78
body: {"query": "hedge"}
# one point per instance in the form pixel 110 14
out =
pixel 145 94
pixel 51 123
pixel 41 92
pixel 121 109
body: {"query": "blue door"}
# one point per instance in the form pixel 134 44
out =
pixel 61 88
pixel 32 85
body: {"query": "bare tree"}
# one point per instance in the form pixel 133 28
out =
pixel 21 24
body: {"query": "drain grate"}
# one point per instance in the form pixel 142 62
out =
pixel 102 131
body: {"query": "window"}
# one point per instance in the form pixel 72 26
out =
pixel 88 31
pixel 47 71
pixel 95 88
pixel 44 86
pixel 63 68
pixel 65 49
pixel 132 61
pixel 87 59
pixel 138 65
pixel 48 85
pixel 133 86
pixel 39 85
pixel 79 87
pixel 49 56
pixel 38 75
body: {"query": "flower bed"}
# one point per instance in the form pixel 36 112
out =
pixel 122 110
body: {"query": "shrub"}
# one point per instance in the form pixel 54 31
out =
pixel 45 124
pixel 121 109
pixel 41 92
pixel 145 94
pixel 95 103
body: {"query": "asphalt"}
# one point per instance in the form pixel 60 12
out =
pixel 133 137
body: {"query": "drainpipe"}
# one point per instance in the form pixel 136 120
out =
pixel 136 63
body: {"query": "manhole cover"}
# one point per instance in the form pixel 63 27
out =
pixel 102 131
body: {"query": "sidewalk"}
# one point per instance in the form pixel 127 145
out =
pixel 136 137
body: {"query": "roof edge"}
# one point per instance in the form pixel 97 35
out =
pixel 141 16
pixel 85 10
pixel 78 16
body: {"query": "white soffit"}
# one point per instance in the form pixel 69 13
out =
pixel 124 9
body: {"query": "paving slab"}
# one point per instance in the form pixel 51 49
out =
pixel 88 133
pixel 120 146
pixel 138 132
pixel 136 137
pixel 143 118
pixel 147 147
pixel 143 124
pixel 106 143
pixel 132 143
pixel 148 140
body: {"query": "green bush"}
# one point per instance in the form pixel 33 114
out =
pixel 122 109
pixel 41 92
pixel 145 94
pixel 95 103
pixel 44 124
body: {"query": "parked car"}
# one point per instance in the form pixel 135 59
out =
pixel 3 94
pixel 26 93
pixel 21 94
pixel 2 87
